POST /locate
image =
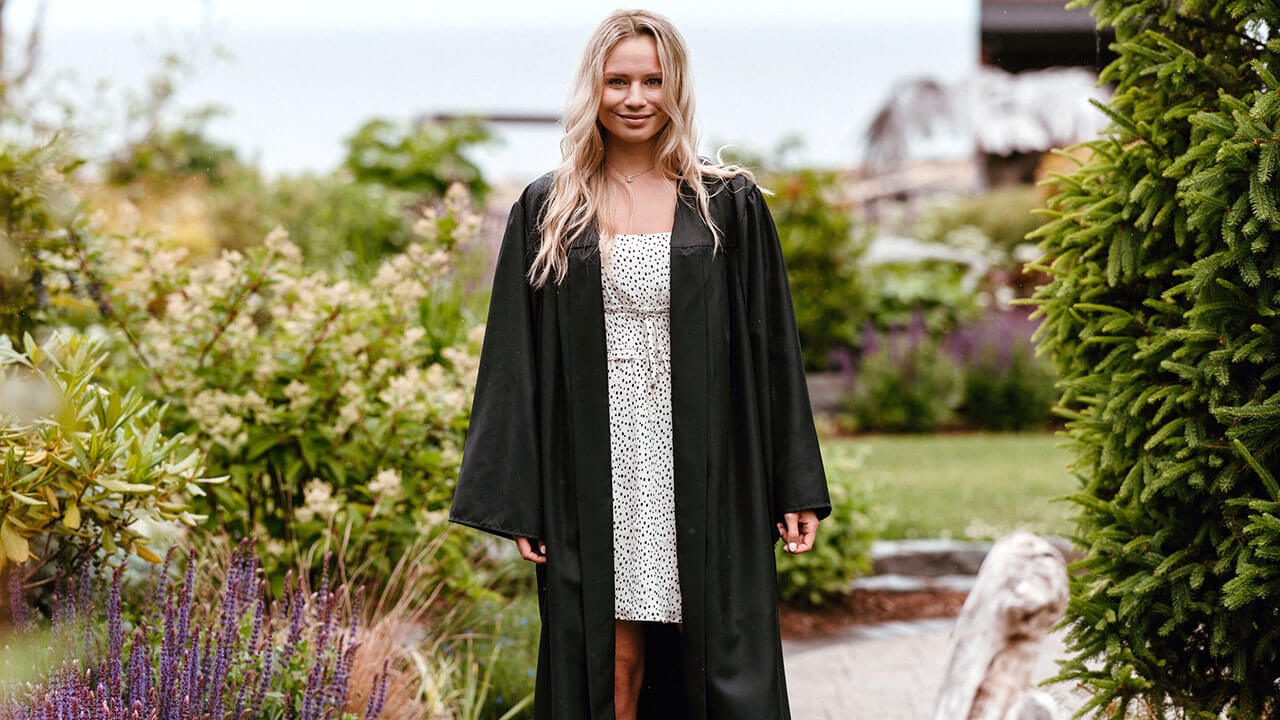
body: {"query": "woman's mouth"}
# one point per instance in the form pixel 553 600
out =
pixel 634 120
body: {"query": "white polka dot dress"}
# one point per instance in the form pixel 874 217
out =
pixel 637 301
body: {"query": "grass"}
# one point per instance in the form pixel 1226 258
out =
pixel 973 486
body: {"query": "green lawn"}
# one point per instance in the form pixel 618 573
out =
pixel 962 486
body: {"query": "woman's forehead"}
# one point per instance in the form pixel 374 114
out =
pixel 635 54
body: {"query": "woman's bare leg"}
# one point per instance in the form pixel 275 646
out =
pixel 628 664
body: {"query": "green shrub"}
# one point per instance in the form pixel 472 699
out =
pixel 1003 215
pixel 1161 316
pixel 425 159
pixel 334 407
pixel 82 463
pixel 1006 386
pixel 164 155
pixel 907 384
pixel 936 291
pixel 40 253
pixel 817 233
pixel 343 227
pixel 1016 394
pixel 843 547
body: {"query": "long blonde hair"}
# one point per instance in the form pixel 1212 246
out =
pixel 579 195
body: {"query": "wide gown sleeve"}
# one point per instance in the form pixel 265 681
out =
pixel 797 477
pixel 498 489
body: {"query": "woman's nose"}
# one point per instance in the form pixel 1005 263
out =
pixel 634 95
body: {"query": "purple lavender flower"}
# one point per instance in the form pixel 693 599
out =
pixel 186 675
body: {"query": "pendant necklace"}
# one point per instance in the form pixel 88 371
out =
pixel 629 178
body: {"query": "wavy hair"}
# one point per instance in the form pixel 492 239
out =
pixel 579 195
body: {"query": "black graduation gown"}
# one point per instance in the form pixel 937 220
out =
pixel 536 461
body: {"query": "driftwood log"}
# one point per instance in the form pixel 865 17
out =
pixel 1020 593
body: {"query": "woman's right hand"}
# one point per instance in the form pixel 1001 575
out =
pixel 528 552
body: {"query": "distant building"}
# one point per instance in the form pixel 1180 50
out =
pixel 1040 36
pixel 1020 35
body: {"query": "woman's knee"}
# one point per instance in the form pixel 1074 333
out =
pixel 629 652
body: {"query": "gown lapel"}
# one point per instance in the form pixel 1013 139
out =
pixel 584 355
pixel 690 267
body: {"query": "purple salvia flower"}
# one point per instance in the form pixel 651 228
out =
pixel 295 628
pixel 169 658
pixel 310 696
pixel 161 583
pixel 322 596
pixel 17 602
pixel 200 675
pixel 115 642
pixel 342 678
pixel 259 612
pixel 190 681
pixel 254 635
pixel 378 694
pixel 264 681
pixel 139 671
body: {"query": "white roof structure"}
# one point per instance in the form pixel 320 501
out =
pixel 1001 112
pixel 1032 111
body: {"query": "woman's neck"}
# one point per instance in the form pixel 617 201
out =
pixel 627 157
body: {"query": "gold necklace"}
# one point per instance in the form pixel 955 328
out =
pixel 629 178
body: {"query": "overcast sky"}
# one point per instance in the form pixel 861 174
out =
pixel 147 14
pixel 298 76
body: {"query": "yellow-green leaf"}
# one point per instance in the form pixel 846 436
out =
pixel 72 517
pixel 145 553
pixel 15 545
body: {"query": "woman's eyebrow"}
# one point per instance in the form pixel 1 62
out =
pixel 654 73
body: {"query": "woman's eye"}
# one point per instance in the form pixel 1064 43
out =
pixel 655 81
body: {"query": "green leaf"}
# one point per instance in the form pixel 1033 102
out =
pixel 27 499
pixel 120 486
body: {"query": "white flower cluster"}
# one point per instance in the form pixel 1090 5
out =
pixel 386 482
pixel 253 344
pixel 318 500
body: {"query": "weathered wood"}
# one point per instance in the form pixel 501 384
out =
pixel 1020 593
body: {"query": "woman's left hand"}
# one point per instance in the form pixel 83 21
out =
pixel 799 531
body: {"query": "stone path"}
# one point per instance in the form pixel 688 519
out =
pixel 888 672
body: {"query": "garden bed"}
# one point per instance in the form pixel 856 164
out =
pixel 863 607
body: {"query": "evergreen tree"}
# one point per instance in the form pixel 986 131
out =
pixel 1164 251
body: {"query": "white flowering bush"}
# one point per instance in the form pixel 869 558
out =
pixel 337 408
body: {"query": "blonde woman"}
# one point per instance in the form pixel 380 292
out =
pixel 641 426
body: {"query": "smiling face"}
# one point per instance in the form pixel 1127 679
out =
pixel 632 98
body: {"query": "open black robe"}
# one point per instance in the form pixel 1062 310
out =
pixel 536 461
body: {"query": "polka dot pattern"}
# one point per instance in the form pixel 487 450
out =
pixel 637 302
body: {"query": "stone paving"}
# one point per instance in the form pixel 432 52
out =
pixel 889 671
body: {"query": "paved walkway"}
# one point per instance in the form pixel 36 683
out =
pixel 888 672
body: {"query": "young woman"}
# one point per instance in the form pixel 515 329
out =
pixel 641 425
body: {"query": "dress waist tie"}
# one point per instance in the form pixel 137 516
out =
pixel 651 314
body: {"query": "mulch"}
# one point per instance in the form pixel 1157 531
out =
pixel 861 607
